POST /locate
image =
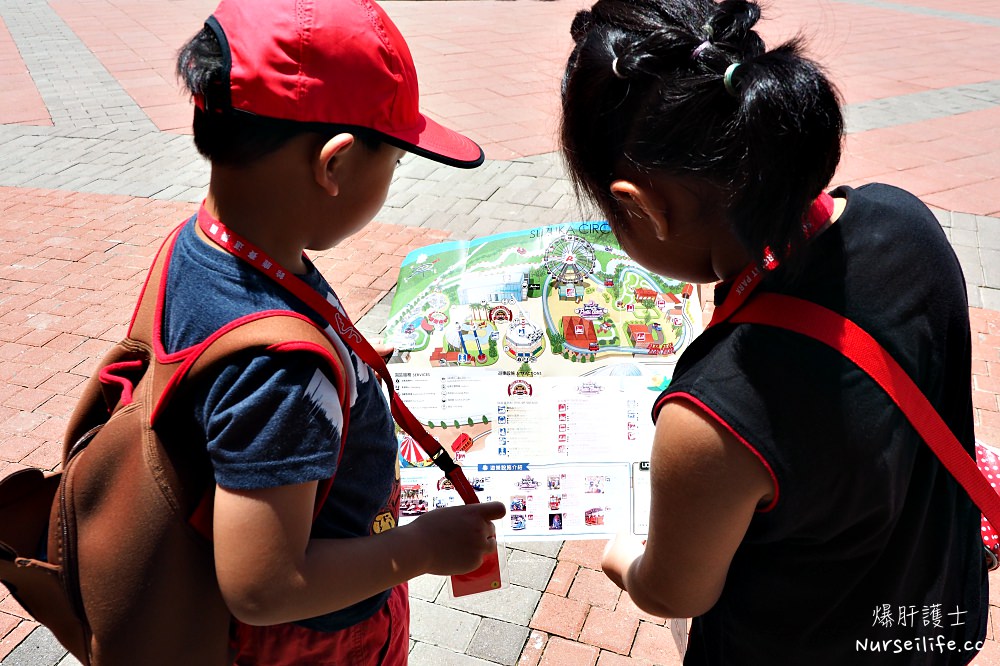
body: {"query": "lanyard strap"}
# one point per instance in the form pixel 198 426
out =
pixel 339 321
pixel 749 279
pixel 843 335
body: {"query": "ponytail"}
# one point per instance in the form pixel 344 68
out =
pixel 687 87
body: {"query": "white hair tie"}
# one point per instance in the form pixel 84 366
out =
pixel 614 68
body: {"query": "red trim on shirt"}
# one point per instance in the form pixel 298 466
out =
pixel 721 421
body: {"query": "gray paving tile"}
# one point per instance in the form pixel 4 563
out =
pixel 989 232
pixel 529 570
pixel 428 586
pixel 423 654
pixel 442 626
pixel 514 604
pixel 991 268
pixel 498 642
pixel 545 548
pixel 989 298
pixel 40 648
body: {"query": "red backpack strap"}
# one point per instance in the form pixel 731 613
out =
pixel 817 322
pixel 277 331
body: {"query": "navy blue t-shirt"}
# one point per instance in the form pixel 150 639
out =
pixel 275 419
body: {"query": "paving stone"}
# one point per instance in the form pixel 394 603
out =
pixel 40 648
pixel 989 232
pixel 514 603
pixel 423 654
pixel 499 642
pixel 988 298
pixel 529 570
pixel 441 626
pixel 546 548
pixel 428 586
pixel 991 266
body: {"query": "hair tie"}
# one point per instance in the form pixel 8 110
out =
pixel 727 79
pixel 614 68
pixel 698 49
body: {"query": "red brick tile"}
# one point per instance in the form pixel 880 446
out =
pixel 65 342
pixel 626 605
pixel 22 423
pixel 989 656
pixel 585 553
pixel 656 644
pixel 562 578
pixel 985 400
pixel 38 337
pixel 610 630
pixel 612 659
pixel 560 652
pixel 995 588
pixel 30 376
pixel 59 406
pixel 15 449
pixel 594 588
pixel 25 399
pixel 45 457
pixel 384 282
pixel 10 606
pixel 358 280
pixel 64 383
pixel 533 649
pixel 559 616
pixel 7 623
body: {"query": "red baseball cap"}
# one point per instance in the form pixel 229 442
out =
pixel 339 62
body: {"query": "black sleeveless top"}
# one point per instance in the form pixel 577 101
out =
pixel 871 552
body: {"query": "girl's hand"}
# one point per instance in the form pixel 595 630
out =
pixel 619 555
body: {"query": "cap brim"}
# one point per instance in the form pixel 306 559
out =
pixel 436 142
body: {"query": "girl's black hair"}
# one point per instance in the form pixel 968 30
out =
pixel 645 86
pixel 232 137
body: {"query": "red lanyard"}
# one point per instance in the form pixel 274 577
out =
pixel 250 253
pixel 749 279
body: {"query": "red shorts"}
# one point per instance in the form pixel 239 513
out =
pixel 381 640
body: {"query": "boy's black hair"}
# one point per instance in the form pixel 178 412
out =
pixel 231 137
pixel 645 86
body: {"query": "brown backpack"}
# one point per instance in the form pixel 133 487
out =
pixel 111 553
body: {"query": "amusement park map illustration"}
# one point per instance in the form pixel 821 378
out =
pixel 534 357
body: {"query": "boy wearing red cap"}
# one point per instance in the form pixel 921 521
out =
pixel 304 109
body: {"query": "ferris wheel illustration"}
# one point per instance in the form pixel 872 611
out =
pixel 569 258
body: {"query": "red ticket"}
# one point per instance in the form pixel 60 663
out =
pixel 484 579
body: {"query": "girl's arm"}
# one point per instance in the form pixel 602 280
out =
pixel 270 571
pixel 706 486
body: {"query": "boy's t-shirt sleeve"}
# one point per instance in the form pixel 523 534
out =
pixel 272 419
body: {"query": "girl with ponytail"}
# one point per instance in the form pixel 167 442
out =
pixel 795 514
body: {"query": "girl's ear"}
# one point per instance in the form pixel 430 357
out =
pixel 643 202
pixel 328 162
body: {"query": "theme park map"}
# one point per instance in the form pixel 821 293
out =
pixel 534 357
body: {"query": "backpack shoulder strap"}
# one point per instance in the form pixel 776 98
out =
pixel 276 331
pixel 843 335
pixel 143 324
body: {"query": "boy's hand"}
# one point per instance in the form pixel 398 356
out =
pixel 455 539
pixel 382 349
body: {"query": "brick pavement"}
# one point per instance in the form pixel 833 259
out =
pixel 95 165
